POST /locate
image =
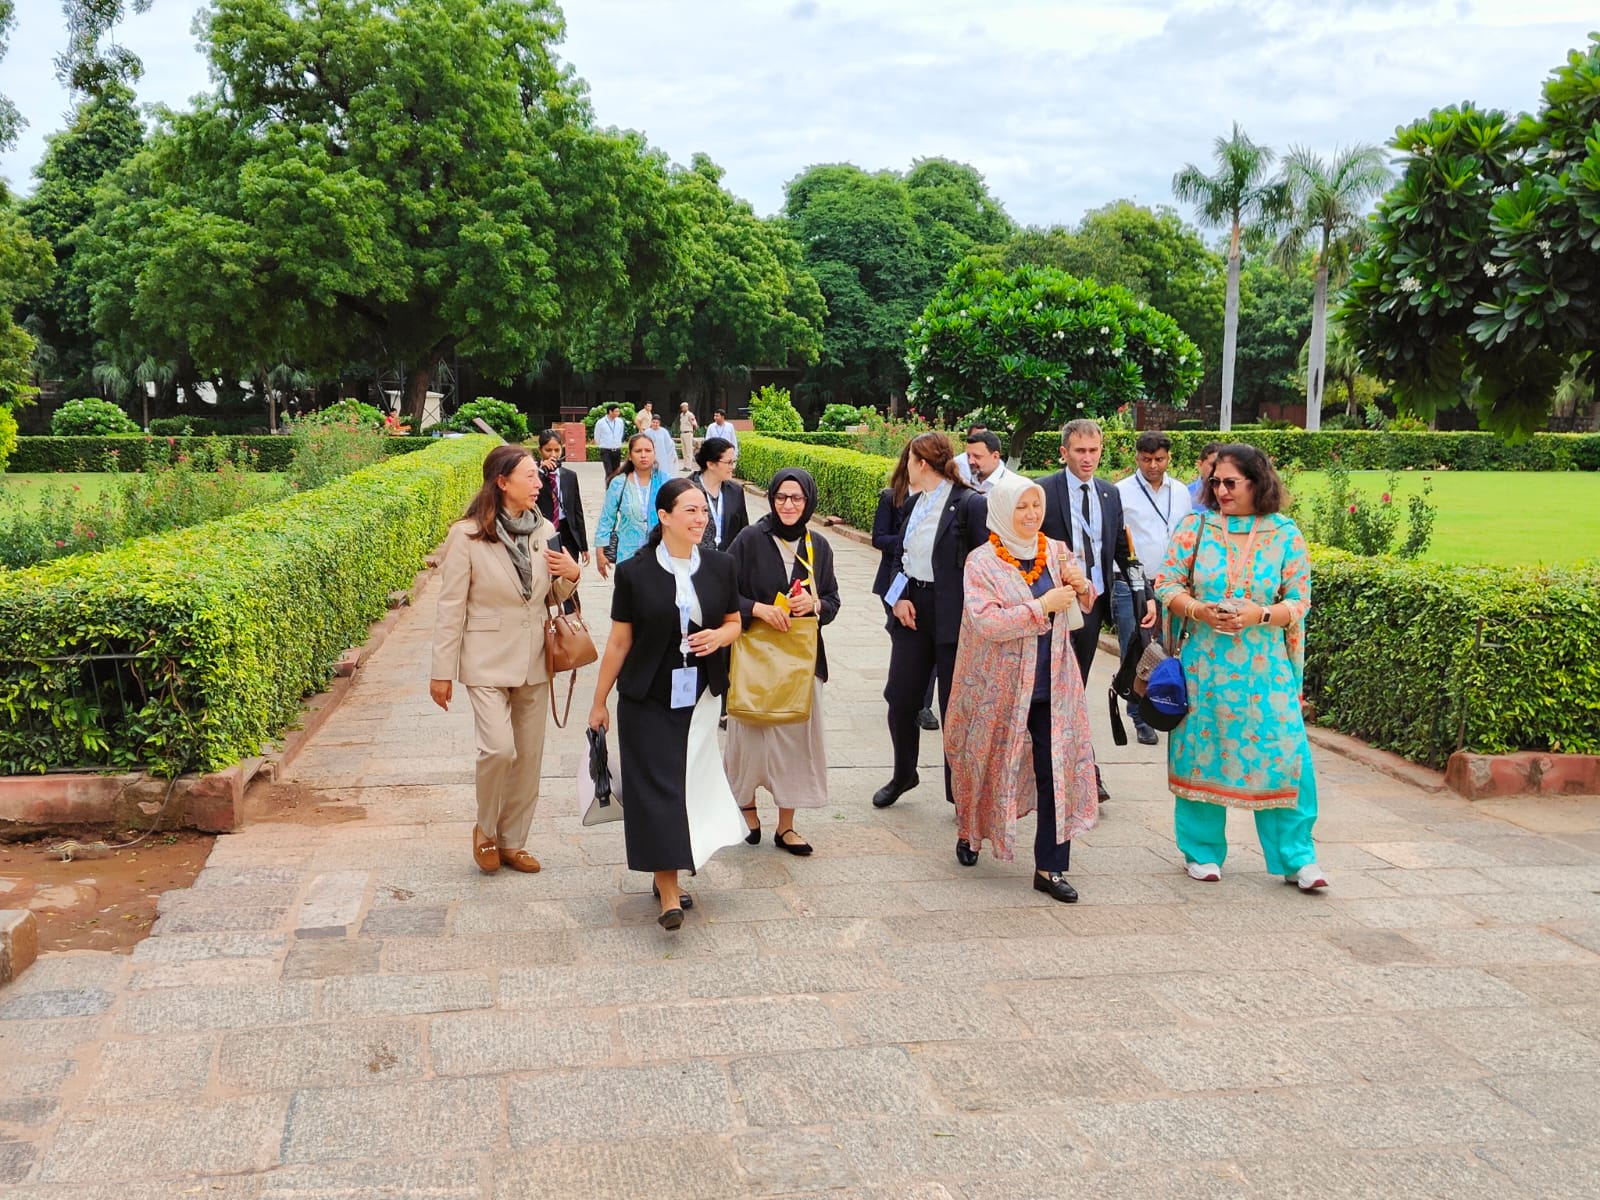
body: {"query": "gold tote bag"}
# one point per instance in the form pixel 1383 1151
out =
pixel 770 677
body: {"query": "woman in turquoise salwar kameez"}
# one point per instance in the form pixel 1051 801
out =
pixel 1238 579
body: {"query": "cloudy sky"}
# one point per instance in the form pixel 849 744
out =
pixel 1062 104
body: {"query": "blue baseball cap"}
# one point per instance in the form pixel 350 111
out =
pixel 1165 702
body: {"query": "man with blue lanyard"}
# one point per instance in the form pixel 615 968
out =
pixel 720 427
pixel 1153 503
pixel 608 433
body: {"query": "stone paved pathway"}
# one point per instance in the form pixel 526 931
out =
pixel 351 1010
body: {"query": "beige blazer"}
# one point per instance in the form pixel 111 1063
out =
pixel 485 633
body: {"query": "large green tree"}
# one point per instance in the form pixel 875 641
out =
pixel 91 64
pixel 1238 194
pixel 381 183
pixel 1328 213
pixel 1045 347
pixel 1479 280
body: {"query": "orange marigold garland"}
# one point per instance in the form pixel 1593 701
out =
pixel 1031 575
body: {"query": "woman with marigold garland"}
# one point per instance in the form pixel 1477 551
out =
pixel 1017 731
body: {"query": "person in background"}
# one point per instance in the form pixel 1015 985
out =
pixel 559 501
pixel 984 464
pixel 641 419
pixel 1153 503
pixel 1086 514
pixel 628 512
pixel 724 498
pixel 721 427
pixel 609 431
pixel 1237 578
pixel 674 613
pixel 1017 730
pixel 963 461
pixel 1208 462
pixel 666 449
pixel 688 425
pixel 495 580
pixel 780 556
pixel 886 523
pixel 938 529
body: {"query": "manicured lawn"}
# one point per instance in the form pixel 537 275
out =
pixel 26 489
pixel 1503 517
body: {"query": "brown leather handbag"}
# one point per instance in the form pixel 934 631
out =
pixel 567 646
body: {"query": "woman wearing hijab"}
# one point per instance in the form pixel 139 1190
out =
pixel 674 613
pixel 1017 731
pixel 496 578
pixel 780 556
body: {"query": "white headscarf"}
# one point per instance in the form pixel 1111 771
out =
pixel 1003 497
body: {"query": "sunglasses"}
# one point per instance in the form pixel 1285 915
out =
pixel 1227 485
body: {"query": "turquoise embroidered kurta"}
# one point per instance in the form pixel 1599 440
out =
pixel 1243 743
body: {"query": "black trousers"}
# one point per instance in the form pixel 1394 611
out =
pixel 1048 854
pixel 915 660
pixel 1086 641
pixel 611 460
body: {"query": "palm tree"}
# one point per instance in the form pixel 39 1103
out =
pixel 153 371
pixel 1237 196
pixel 1328 201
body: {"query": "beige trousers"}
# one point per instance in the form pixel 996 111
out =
pixel 509 726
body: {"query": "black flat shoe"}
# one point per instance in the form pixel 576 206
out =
pixel 1055 886
pixel 965 854
pixel 891 791
pixel 799 846
pixel 1147 736
pixel 928 719
pixel 685 900
pixel 671 919
pixel 1100 790
pixel 753 838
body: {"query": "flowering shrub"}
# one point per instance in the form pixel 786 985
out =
pixel 90 417
pixel 325 451
pixel 1345 519
pixel 838 417
pixel 346 412
pixel 505 419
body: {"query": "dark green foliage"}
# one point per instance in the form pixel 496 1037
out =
pixel 90 417
pixel 1392 658
pixel 838 416
pixel 505 419
pixel 38 454
pixel 205 426
pixel 848 482
pixel 592 418
pixel 772 412
pixel 235 621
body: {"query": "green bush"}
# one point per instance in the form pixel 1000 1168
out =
pixel 505 419
pixel 836 417
pixel 822 437
pixel 348 411
pixel 329 450
pixel 1345 518
pixel 1397 655
pixel 8 436
pixel 90 417
pixel 36 455
pixel 848 482
pixel 772 412
pixel 205 425
pixel 232 623
pixel 626 411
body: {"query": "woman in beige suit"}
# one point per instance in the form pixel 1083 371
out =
pixel 495 583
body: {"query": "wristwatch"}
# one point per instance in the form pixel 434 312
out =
pixel 1266 615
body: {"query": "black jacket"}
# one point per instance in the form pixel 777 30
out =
pixel 760 575
pixel 574 533
pixel 963 526
pixel 1062 490
pixel 643 597
pixel 886 525
pixel 735 516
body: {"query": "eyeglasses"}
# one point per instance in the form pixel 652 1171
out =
pixel 1227 485
pixel 790 501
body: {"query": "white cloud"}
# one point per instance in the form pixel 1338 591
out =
pixel 1064 104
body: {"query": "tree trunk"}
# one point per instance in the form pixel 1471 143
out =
pixel 418 377
pixel 1317 356
pixel 1024 429
pixel 1230 331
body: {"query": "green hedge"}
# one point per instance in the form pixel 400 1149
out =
pixel 234 621
pixel 42 454
pixel 1358 449
pixel 848 481
pixel 209 426
pixel 1391 656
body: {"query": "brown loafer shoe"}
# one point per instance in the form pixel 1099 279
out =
pixel 519 860
pixel 485 853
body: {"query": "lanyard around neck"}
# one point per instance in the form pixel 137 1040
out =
pixel 1166 517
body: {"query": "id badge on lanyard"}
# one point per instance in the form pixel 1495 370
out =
pixel 685 679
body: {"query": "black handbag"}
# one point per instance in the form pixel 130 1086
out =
pixel 603 804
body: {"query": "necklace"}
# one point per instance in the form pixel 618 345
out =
pixel 1030 575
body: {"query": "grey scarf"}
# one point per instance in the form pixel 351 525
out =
pixel 516 534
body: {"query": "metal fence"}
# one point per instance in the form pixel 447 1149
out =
pixel 78 712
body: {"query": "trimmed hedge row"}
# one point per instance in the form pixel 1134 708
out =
pixel 231 623
pixel 273 453
pixel 1357 449
pixel 1395 655
pixel 1392 656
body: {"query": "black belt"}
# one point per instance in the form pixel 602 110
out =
pixel 918 583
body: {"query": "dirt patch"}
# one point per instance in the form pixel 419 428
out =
pixel 294 804
pixel 88 898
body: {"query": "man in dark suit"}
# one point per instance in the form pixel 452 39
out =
pixel 1086 513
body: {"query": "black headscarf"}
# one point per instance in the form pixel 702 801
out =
pixel 808 488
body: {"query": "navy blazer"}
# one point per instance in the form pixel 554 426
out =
pixel 1061 491
pixel 963 527
pixel 886 525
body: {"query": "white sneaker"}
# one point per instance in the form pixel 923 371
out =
pixel 1204 872
pixel 1309 879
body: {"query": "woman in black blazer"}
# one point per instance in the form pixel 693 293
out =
pixel 674 613
pixel 939 526
pixel 558 498
pixel 716 459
